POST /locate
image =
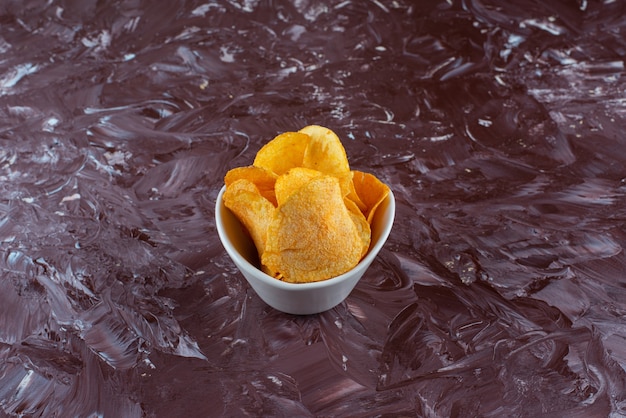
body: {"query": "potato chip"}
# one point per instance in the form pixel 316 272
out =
pixel 292 180
pixel 347 186
pixel 283 152
pixel 371 191
pixel 324 152
pixel 254 211
pixel 312 236
pixel 348 190
pixel 263 179
pixel 364 228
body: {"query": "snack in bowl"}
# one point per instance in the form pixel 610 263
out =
pixel 307 213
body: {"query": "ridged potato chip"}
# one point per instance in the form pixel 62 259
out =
pixel 308 214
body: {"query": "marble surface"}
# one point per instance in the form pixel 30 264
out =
pixel 500 128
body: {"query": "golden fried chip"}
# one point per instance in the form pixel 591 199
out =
pixel 263 179
pixel 283 152
pixel 364 228
pixel 312 236
pixel 308 214
pixel 254 211
pixel 347 187
pixel 324 152
pixel 292 180
pixel 371 191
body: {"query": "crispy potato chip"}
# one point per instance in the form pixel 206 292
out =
pixel 349 191
pixel 324 152
pixel 312 236
pixel 283 152
pixel 254 211
pixel 292 180
pixel 263 179
pixel 308 214
pixel 371 191
pixel 364 228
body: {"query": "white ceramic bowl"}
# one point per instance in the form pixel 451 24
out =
pixel 298 298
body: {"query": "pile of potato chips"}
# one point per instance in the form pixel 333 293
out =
pixel 308 214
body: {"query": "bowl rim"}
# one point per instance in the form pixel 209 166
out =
pixel 372 252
